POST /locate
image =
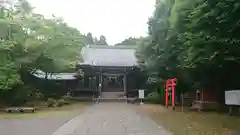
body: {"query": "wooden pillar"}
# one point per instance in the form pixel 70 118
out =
pixel 125 83
pixel 97 81
pixel 166 94
pixel 100 81
pixel 173 95
pixel 86 81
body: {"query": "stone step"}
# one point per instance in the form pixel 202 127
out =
pixel 104 99
pixel 112 94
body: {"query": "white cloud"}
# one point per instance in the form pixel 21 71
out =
pixel 116 19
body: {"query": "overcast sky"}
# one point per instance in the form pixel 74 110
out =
pixel 116 19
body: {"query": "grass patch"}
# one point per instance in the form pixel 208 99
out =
pixel 193 123
pixel 56 112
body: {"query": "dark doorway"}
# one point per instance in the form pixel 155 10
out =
pixel 113 83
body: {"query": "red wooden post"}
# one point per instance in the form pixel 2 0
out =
pixel 173 92
pixel 166 94
pixel 170 83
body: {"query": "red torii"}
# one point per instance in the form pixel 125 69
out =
pixel 170 83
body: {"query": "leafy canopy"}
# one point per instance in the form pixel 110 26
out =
pixel 29 41
pixel 195 41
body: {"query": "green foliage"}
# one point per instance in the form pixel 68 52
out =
pixel 195 41
pixel 19 95
pixel 131 41
pixel 29 41
pixel 60 102
pixel 102 41
pixel 51 102
pixel 90 40
pixel 9 77
pixel 67 99
pixel 151 52
pixel 153 97
pixel 39 95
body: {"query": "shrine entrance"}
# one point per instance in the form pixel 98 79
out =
pixel 113 83
pixel 110 72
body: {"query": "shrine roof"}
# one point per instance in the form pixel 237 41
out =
pixel 105 55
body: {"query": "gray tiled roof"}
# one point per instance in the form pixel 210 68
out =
pixel 55 76
pixel 103 55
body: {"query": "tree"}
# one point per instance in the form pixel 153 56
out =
pixel 151 52
pixel 101 41
pixel 28 42
pixel 95 40
pixel 130 41
pixel 89 39
pixel 195 41
pixel 213 46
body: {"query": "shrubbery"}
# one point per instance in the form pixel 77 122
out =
pixel 65 100
pixel 21 95
pixel 51 102
pixel 60 102
pixel 153 97
pixel 67 97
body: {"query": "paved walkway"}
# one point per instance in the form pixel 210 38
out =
pixel 111 119
pixel 31 126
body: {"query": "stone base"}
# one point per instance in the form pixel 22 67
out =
pixel 20 109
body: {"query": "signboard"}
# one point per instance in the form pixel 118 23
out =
pixel 232 97
pixel 141 94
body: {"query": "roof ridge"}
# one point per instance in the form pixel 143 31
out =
pixel 112 47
